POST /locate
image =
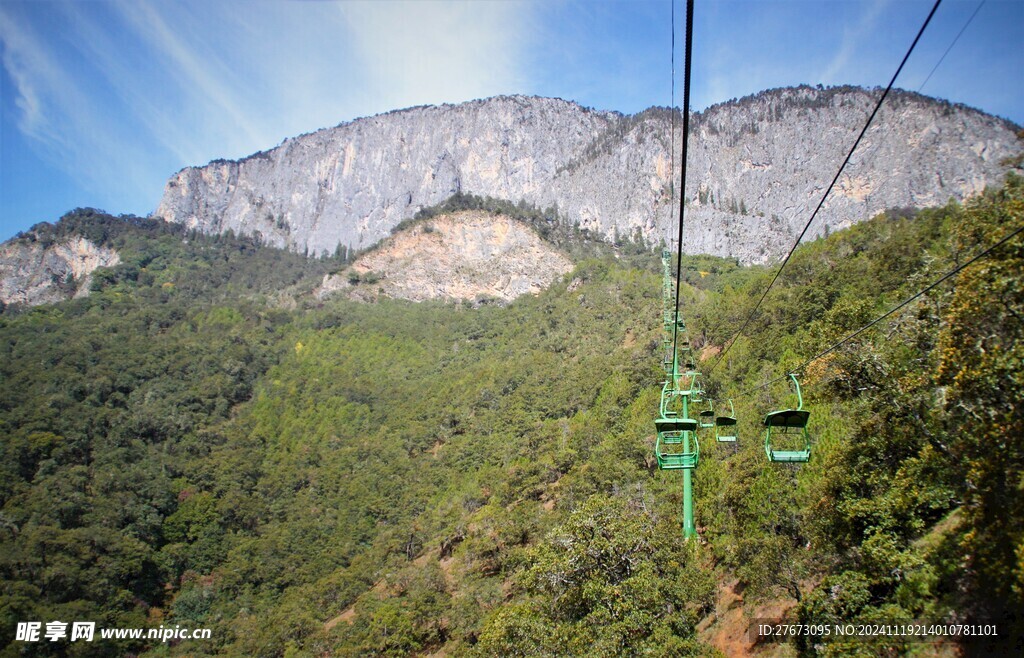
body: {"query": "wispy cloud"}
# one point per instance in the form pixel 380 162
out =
pixel 119 94
pixel 428 52
pixel 851 48
pixel 34 74
pixel 59 115
pixel 199 72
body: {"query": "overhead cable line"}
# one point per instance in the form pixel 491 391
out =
pixel 884 138
pixel 953 43
pixel 919 89
pixel 672 122
pixel 931 286
pixel 682 166
pixel 821 203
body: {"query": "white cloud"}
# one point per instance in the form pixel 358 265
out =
pixel 118 94
pixel 60 116
pixel 852 45
pixel 431 52
pixel 201 75
pixel 34 74
pixel 102 48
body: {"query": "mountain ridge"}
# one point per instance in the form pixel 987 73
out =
pixel 756 178
pixel 895 93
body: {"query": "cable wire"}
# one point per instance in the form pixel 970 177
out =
pixel 884 138
pixel 919 89
pixel 906 301
pixel 821 203
pixel 672 122
pixel 953 43
pixel 682 167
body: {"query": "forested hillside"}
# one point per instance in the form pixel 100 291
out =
pixel 202 443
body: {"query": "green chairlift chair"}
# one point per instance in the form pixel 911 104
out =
pixel 698 389
pixel 676 447
pixel 666 361
pixel 791 426
pixel 725 426
pixel 707 417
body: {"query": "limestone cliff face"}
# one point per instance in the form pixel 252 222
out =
pixel 33 274
pixel 469 255
pixel 758 167
pixel 352 184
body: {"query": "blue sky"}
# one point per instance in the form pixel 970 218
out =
pixel 102 100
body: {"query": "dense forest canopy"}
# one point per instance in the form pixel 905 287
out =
pixel 200 443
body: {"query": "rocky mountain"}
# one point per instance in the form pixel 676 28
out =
pixel 758 167
pixel 34 273
pixel 470 255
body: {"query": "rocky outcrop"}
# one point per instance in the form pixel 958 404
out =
pixel 469 255
pixel 758 167
pixel 32 274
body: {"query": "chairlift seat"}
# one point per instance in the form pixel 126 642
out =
pixel 675 425
pixel 671 462
pixel 668 460
pixel 787 418
pixel 792 456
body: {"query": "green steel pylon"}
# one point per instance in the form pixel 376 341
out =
pixel 677 447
